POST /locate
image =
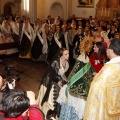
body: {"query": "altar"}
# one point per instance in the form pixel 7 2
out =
pixel 108 9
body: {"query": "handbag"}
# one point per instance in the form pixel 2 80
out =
pixel 37 110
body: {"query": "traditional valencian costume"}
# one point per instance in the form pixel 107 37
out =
pixel 49 89
pixel 37 46
pixel 64 39
pixel 55 45
pixel 7 37
pixel 73 95
pixel 26 40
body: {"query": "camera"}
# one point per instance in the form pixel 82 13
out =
pixel 10 79
pixel 8 70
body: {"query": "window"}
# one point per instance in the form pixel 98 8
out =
pixel 26 5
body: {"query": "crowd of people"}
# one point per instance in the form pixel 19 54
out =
pixel 42 39
pixel 37 39
pixel 87 50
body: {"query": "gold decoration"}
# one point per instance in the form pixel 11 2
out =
pixel 86 44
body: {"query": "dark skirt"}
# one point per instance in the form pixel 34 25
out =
pixel 36 50
pixel 25 46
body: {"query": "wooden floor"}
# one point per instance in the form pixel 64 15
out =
pixel 31 72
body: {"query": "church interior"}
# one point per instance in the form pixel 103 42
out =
pixel 37 20
pixel 39 9
pixel 33 9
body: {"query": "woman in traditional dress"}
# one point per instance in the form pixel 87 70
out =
pixel 36 50
pixel 64 37
pixel 55 43
pixel 73 96
pixel 71 35
pixel 45 35
pixel 76 42
pixel 7 37
pixel 26 40
pixel 36 24
pixel 52 81
pixel 50 39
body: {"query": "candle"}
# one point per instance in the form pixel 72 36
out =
pixel 102 12
pixel 108 12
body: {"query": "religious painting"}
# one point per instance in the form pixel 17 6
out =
pixel 85 3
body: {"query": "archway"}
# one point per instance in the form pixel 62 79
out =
pixel 8 8
pixel 56 9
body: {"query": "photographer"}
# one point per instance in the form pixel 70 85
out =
pixel 6 85
pixel 7 80
pixel 19 105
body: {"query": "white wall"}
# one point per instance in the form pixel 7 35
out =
pixel 56 10
pixel 83 12
pixel 78 11
pixel 49 3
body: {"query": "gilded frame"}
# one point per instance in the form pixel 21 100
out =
pixel 86 3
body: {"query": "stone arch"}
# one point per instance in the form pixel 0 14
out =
pixel 8 8
pixel 56 9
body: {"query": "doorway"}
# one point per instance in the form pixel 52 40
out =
pixel 8 8
pixel 56 9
